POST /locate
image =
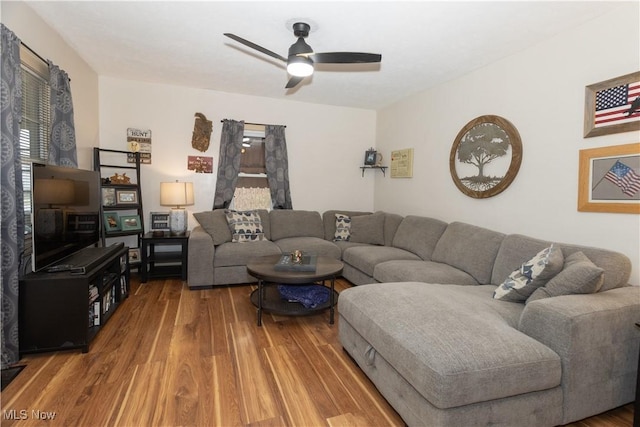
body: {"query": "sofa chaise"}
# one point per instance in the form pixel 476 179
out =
pixel 438 324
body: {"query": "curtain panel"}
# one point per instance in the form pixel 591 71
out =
pixel 62 145
pixel 277 164
pixel 229 162
pixel 12 227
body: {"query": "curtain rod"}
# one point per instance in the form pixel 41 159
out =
pixel 34 52
pixel 255 124
pixel 37 55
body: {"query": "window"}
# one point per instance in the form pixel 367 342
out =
pixel 35 123
pixel 252 188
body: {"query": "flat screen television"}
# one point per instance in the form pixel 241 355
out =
pixel 65 205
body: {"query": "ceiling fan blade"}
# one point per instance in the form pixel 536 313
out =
pixel 345 57
pixel 256 47
pixel 293 81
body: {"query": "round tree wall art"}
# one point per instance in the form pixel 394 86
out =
pixel 485 156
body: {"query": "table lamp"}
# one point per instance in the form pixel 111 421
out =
pixel 177 194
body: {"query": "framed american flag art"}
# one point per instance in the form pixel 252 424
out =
pixel 609 179
pixel 612 106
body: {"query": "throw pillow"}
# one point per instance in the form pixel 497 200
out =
pixel 531 275
pixel 343 228
pixel 579 276
pixel 215 223
pixel 368 229
pixel 245 226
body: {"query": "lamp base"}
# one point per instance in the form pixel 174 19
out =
pixel 178 222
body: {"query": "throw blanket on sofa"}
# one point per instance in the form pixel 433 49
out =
pixel 310 296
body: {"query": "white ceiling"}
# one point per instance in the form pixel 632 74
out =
pixel 423 43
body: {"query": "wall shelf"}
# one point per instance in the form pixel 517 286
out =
pixel 382 168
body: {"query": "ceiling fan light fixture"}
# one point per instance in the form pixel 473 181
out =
pixel 300 66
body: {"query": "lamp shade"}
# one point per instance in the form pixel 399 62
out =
pixel 176 193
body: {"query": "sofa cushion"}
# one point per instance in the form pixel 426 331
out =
pixel 295 223
pixel 365 258
pixel 531 275
pixel 578 276
pixel 470 248
pixel 245 226
pixel 368 229
pixel 421 271
pixel 454 346
pixel 215 223
pixel 312 245
pixel 419 235
pixel 234 254
pixel 391 224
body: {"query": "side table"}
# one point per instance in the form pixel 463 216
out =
pixel 164 263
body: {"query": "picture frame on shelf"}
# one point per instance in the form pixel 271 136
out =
pixel 612 106
pixel 609 179
pixel 130 223
pixel 109 197
pixel 127 197
pixel 370 157
pixel 160 221
pixel 134 255
pixel 111 222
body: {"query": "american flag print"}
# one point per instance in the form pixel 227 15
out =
pixel 618 104
pixel 624 177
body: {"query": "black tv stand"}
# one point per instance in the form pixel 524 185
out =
pixel 83 260
pixel 65 310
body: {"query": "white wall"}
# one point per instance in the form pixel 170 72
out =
pixel 325 144
pixel 541 91
pixel 36 34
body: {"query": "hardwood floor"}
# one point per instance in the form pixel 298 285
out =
pixel 171 356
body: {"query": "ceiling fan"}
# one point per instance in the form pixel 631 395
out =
pixel 301 57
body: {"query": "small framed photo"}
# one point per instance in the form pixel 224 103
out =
pixel 134 255
pixel 370 157
pixel 109 197
pixel 127 197
pixel 111 222
pixel 160 221
pixel 130 223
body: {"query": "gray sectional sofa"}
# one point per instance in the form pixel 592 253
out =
pixel 427 330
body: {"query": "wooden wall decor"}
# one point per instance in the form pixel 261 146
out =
pixel 201 133
pixel 485 156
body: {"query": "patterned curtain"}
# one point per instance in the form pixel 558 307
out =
pixel 229 162
pixel 12 219
pixel 62 146
pixel 277 164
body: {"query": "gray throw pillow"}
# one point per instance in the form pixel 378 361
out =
pixel 367 229
pixel 531 275
pixel 579 276
pixel 215 223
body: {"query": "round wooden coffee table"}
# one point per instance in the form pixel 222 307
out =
pixel 268 298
